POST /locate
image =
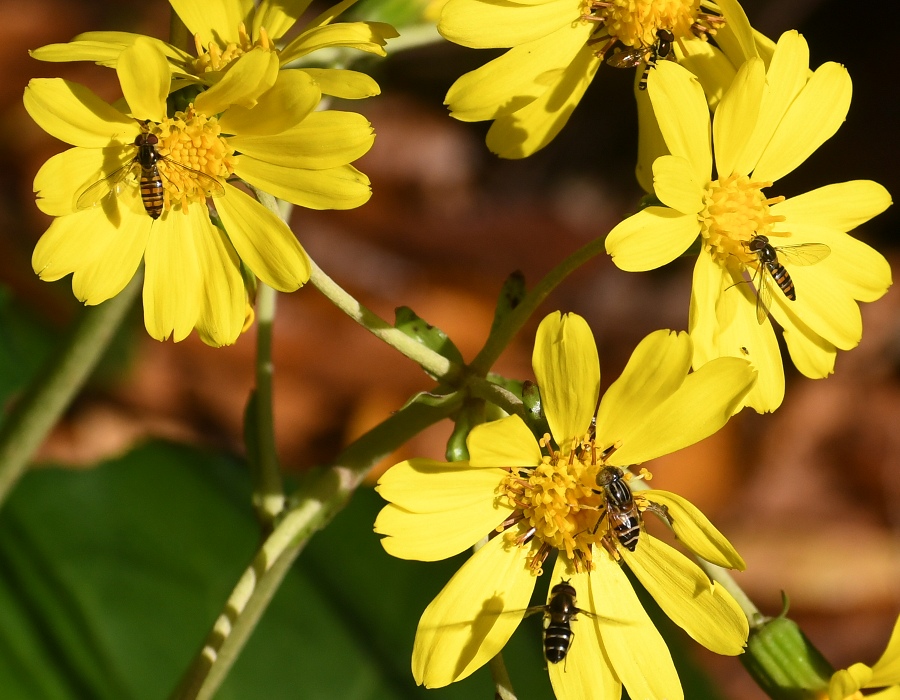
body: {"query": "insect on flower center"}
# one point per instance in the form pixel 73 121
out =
pixel 735 210
pixel 636 23
pixel 193 141
pixel 214 57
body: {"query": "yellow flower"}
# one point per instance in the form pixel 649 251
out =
pixel 558 45
pixel 846 684
pixel 193 276
pixel 544 496
pixel 766 125
pixel 222 39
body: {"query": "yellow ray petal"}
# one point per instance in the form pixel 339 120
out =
pixel 277 16
pixel 243 83
pixel 264 242
pixel 656 369
pixel 503 443
pixel 73 114
pixel 702 609
pixel 886 671
pixel 736 118
pixel 567 369
pixel 322 140
pixel 516 78
pixel 103 48
pixel 343 187
pixel 651 238
pixel 846 682
pixel 635 648
pixel 426 486
pixel 586 672
pixel 145 78
pixel 840 207
pixel 693 528
pixel 61 179
pixel 223 296
pixel 680 107
pixel 490 25
pixel 712 68
pixel 343 83
pixel 363 36
pixel 293 98
pixel 674 184
pixel 697 409
pixel 475 614
pixel 651 144
pixel 172 286
pixel 736 37
pixel 812 118
pixel 811 353
pixel 214 21
pixel 532 127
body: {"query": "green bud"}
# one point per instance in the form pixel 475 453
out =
pixel 432 337
pixel 784 663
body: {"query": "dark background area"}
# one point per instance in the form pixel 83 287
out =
pixel 809 495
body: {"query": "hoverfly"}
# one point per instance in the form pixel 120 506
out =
pixel 768 256
pixel 649 55
pixel 150 180
pixel 621 511
pixel 559 612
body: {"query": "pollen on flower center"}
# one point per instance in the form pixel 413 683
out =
pixel 215 57
pixel 193 141
pixel 735 210
pixel 636 22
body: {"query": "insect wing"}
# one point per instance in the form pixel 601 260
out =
pixel 761 284
pixel 112 184
pixel 803 254
pixel 208 183
pixel 628 59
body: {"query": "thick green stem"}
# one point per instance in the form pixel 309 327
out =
pixel 42 403
pixel 505 330
pixel 268 489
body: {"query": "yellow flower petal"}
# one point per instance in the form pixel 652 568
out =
pixel 61 178
pixel 845 683
pixel 683 115
pixel 736 118
pixel 343 187
pixel 264 242
pixel 103 48
pixel 427 486
pixel 651 238
pixel 73 114
pixel 278 16
pixel 363 36
pixel 343 83
pixel 567 369
pixel 686 595
pixel 223 296
pixel 529 129
pixel 503 443
pixel 322 140
pixel 633 645
pixel 736 37
pixel 487 25
pixel 674 184
pixel 213 21
pixel 145 78
pixel 839 207
pixel 886 671
pixel 516 78
pixel 713 69
pixel 651 144
pixel 696 532
pixel 812 118
pixel 811 353
pixel 172 284
pixel 243 83
pixel 293 98
pixel 475 614
pixel 655 370
pixel 586 671
pixel 702 404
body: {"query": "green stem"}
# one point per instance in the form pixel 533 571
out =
pixel 510 325
pixel 44 401
pixel 322 498
pixel 268 489
pixel 495 394
pixel 435 364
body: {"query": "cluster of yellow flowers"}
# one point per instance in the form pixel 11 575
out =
pixel 161 178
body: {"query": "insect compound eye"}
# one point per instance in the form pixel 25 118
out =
pixel 151 139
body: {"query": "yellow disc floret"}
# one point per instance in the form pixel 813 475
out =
pixel 193 141
pixel 215 57
pixel 735 210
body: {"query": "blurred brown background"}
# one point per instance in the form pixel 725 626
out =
pixel 810 495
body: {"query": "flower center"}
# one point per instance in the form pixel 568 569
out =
pixel 735 210
pixel 636 23
pixel 560 505
pixel 196 158
pixel 215 57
